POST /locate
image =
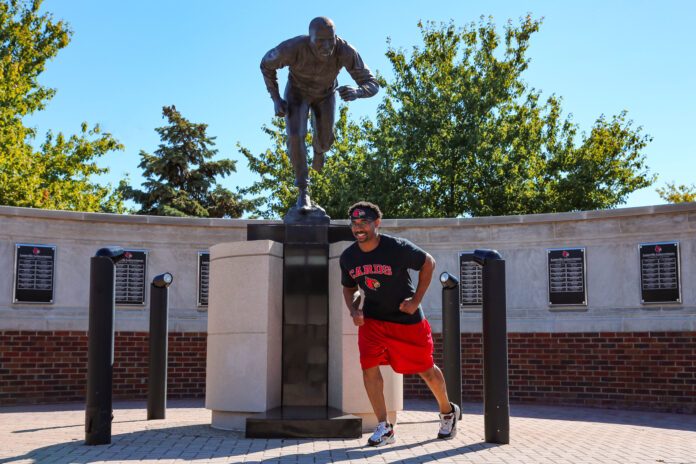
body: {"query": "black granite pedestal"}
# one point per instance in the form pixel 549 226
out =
pixel 304 410
pixel 304 422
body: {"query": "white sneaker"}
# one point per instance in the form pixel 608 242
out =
pixel 448 423
pixel 384 434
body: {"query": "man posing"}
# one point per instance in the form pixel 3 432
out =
pixel 392 328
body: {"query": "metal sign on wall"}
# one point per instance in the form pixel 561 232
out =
pixel 566 270
pixel 470 281
pixel 130 278
pixel 34 273
pixel 203 277
pixel 659 272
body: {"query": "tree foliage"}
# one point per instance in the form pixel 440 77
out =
pixel 58 174
pixel 341 182
pixel 677 194
pixel 181 177
pixel 460 133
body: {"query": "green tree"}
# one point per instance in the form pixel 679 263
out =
pixel 181 177
pixel 342 181
pixel 460 133
pixel 677 194
pixel 58 175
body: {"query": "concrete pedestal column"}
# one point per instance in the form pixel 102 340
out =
pixel 243 370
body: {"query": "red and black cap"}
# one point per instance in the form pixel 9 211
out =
pixel 363 213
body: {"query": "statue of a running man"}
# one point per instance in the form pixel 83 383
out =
pixel 314 62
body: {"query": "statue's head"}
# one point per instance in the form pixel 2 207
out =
pixel 322 36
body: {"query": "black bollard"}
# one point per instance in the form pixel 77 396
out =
pixel 495 369
pixel 100 345
pixel 157 370
pixel 451 338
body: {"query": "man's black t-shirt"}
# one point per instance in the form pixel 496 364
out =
pixel 383 276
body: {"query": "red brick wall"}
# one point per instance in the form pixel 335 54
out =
pixel 643 370
pixel 646 370
pixel 49 367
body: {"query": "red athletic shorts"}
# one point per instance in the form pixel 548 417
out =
pixel 408 349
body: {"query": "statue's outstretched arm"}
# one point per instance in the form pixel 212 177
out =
pixel 367 83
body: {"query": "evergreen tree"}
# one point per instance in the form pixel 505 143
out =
pixel 181 177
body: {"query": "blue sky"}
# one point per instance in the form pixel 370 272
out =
pixel 127 59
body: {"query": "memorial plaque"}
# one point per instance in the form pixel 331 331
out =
pixel 566 268
pixel 659 272
pixel 203 277
pixel 130 278
pixel 470 281
pixel 34 273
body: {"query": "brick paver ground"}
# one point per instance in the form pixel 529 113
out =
pixel 539 435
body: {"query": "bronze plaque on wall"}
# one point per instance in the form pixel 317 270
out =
pixel 203 277
pixel 659 272
pixel 566 269
pixel 470 282
pixel 34 273
pixel 130 278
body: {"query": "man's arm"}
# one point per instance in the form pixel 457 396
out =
pixel 352 298
pixel 425 275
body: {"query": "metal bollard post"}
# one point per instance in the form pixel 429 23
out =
pixel 100 345
pixel 495 369
pixel 451 338
pixel 157 370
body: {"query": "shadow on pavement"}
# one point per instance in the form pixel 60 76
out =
pixel 229 445
pixel 662 420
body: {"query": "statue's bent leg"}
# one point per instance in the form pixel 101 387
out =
pixel 296 126
pixel 323 125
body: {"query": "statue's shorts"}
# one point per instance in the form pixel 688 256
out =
pixel 408 349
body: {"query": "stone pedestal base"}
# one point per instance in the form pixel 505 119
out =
pixel 244 343
pixel 304 422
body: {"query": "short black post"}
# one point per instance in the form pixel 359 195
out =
pixel 157 370
pixel 100 345
pixel 451 338
pixel 495 369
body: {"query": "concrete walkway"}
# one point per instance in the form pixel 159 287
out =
pixel 539 434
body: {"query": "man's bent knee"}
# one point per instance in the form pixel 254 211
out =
pixel 428 373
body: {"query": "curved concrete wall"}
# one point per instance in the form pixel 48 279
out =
pixel 610 238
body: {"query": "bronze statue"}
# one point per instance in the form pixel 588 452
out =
pixel 314 62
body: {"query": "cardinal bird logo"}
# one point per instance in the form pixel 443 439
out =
pixel 658 248
pixel 358 213
pixel 372 284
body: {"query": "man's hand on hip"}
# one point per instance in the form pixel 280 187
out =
pixel 408 306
